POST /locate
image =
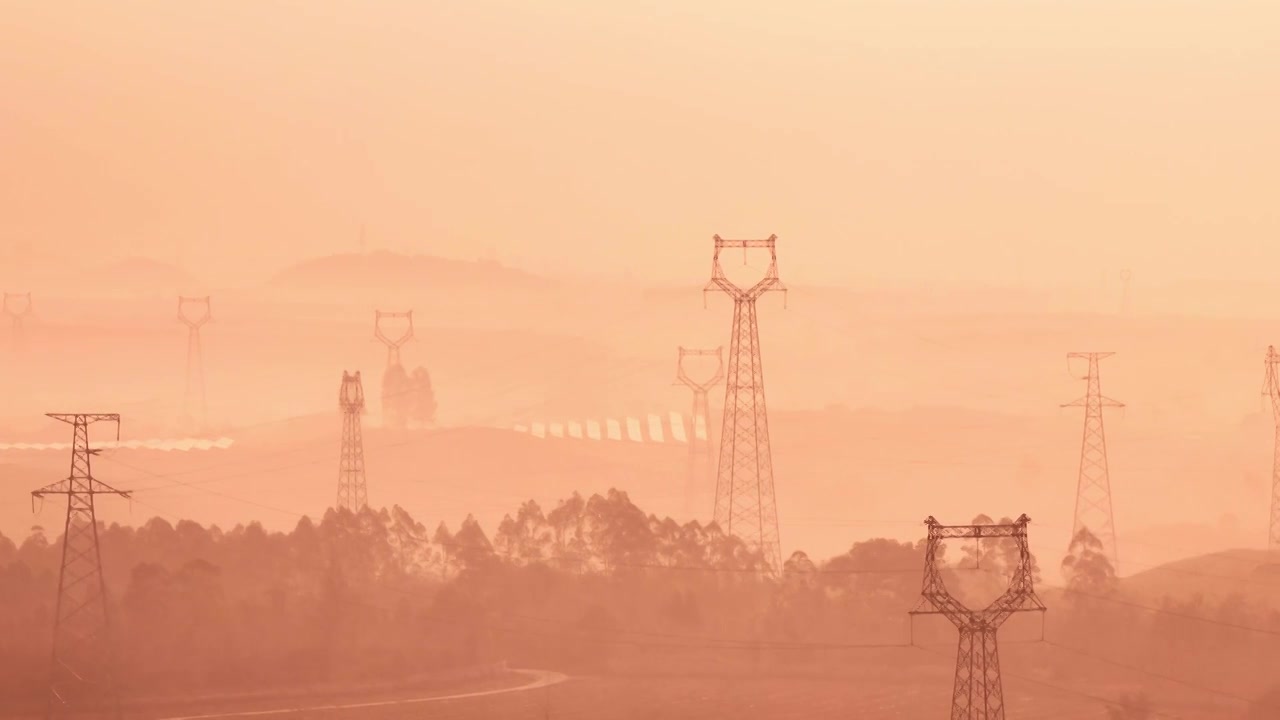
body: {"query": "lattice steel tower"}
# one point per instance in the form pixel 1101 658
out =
pixel 700 441
pixel 17 307
pixel 1093 487
pixel 352 493
pixel 193 402
pixel 745 502
pixel 81 673
pixel 978 693
pixel 1271 388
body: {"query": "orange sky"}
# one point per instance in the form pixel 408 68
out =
pixel 907 140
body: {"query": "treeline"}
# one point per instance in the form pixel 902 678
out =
pixel 374 595
pixel 594 583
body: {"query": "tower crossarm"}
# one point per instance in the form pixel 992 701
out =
pixel 87 418
pixel 351 393
pixel 17 305
pixel 1020 596
pixel 682 376
pixel 1103 401
pixel 390 341
pixel 79 480
pixel 186 305
pixel 769 283
pixel 65 487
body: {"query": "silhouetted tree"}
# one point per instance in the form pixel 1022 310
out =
pixel 397 397
pixel 527 537
pixel 422 407
pixel 1086 567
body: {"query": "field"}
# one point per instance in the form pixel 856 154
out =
pixel 893 683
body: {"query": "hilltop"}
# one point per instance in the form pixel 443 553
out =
pixel 1253 574
pixel 382 269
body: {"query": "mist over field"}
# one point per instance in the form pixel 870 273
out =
pixel 910 491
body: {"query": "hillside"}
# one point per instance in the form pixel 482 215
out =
pixel 841 475
pixel 1253 574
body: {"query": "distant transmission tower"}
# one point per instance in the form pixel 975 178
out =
pixel 700 442
pixel 195 357
pixel 393 343
pixel 978 693
pixel 1093 488
pixel 17 307
pixel 352 494
pixel 1271 388
pixel 395 382
pixel 745 501
pixel 81 674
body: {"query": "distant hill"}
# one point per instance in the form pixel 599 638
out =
pixel 1254 574
pixel 135 275
pixel 382 269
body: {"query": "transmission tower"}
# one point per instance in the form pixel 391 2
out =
pixel 1271 388
pixel 195 357
pixel 17 307
pixel 393 343
pixel 977 693
pixel 699 447
pixel 745 502
pixel 1093 488
pixel 81 674
pixel 352 494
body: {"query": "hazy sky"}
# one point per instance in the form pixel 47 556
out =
pixel 912 139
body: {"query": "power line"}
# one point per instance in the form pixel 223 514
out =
pixel 1158 676
pixel 1069 691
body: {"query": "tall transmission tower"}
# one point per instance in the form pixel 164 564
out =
pixel 1093 487
pixel 194 398
pixel 81 672
pixel 17 307
pixel 700 442
pixel 393 343
pixel 978 693
pixel 745 501
pixel 352 493
pixel 1271 388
